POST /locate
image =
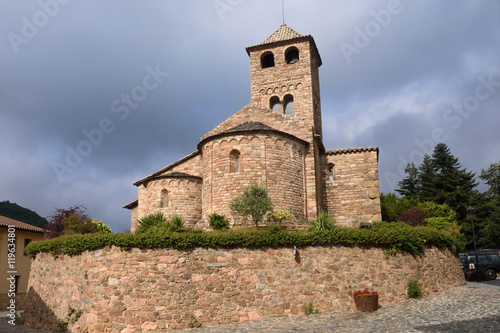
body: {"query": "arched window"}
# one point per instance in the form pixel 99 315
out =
pixel 274 104
pixel 289 105
pixel 234 161
pixel 330 171
pixel 292 55
pixel 267 60
pixel 163 199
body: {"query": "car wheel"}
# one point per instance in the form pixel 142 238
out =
pixel 491 273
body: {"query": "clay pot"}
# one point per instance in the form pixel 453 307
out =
pixel 366 304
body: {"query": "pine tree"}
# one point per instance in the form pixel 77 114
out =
pixel 408 187
pixel 426 176
pixel 452 184
pixel 492 179
pixel 488 209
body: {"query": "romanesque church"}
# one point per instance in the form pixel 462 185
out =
pixel 277 141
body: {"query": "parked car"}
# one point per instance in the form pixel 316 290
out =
pixel 489 261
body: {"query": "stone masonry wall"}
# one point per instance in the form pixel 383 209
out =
pixel 267 158
pixel 175 195
pixel 150 290
pixel 353 196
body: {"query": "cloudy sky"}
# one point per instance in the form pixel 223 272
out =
pixel 95 95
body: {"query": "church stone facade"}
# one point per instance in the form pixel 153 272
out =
pixel 276 141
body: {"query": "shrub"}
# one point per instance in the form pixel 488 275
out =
pixel 254 202
pixel 279 216
pixel 323 221
pixel 218 221
pixel 406 238
pixel 151 220
pixel 176 224
pixel 101 227
pixel 413 217
pixel 78 224
pixel 414 289
pixel 311 310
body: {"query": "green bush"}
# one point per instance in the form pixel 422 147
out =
pixel 101 227
pixel 406 238
pixel 176 224
pixel 254 202
pixel 149 221
pixel 414 289
pixel 323 221
pixel 218 221
pixel 279 216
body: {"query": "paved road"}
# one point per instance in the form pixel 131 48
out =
pixel 471 308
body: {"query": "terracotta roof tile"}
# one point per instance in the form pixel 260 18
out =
pixel 168 167
pixel 249 126
pixel 5 222
pixel 284 32
pixel 132 204
pixel 350 150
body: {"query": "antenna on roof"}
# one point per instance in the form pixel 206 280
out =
pixel 283 10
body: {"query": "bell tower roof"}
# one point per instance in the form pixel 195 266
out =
pixel 284 32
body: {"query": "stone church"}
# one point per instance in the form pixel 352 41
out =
pixel 277 141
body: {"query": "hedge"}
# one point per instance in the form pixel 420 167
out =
pixel 393 236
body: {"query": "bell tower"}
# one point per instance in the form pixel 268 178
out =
pixel 284 74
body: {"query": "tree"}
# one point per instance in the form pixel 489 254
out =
pixel 254 201
pixel 488 209
pixel 426 180
pixel 16 212
pixel 56 225
pixel 452 185
pixel 408 187
pixel 492 179
pixel 73 220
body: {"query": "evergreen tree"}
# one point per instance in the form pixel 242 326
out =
pixel 426 180
pixel 492 179
pixel 488 209
pixel 408 187
pixel 16 212
pixel 452 184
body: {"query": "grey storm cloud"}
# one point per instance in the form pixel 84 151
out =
pixel 392 75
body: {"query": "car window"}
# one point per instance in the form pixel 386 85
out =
pixel 495 258
pixel 483 258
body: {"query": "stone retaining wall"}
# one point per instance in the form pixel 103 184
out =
pixel 150 290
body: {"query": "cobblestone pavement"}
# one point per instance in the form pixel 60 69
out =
pixel 471 308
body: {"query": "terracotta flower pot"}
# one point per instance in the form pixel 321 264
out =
pixel 366 304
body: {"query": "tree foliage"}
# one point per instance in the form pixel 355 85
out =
pixel 56 224
pixel 74 220
pixel 440 179
pixel 254 202
pixel 408 186
pixel 16 212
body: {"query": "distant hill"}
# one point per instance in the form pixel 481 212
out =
pixel 16 212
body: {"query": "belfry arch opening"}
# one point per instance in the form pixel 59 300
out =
pixel 288 106
pixel 292 55
pixel 267 60
pixel 274 104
